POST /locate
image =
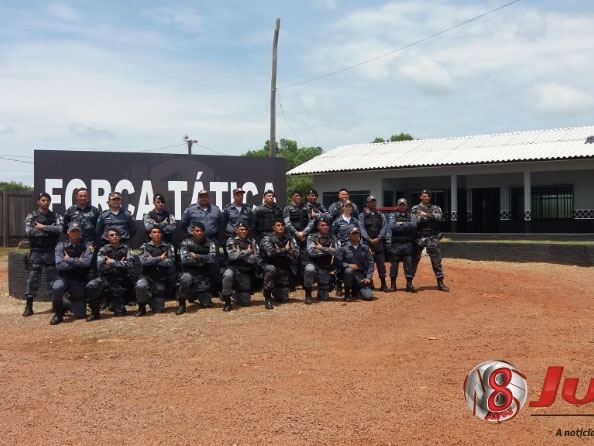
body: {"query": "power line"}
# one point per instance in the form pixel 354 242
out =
pixel 280 103
pixel 15 160
pixel 16 156
pixel 163 148
pixel 212 150
pixel 399 49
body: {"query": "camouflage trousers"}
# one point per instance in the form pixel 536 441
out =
pixel 152 292
pixel 432 245
pixel 402 252
pixel 238 284
pixel 37 261
pixel 195 283
pixel 277 282
pixel 77 302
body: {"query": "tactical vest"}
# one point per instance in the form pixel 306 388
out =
pixel 241 264
pixel 373 223
pixel 324 261
pixel 156 272
pixel 118 254
pixel 201 249
pixel 47 241
pixel 405 235
pixel 87 218
pixel 74 251
pixel 298 216
pixel 281 261
pixel 160 218
pixel 265 218
pixel 427 228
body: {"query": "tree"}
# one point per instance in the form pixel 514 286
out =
pixel 15 185
pixel 400 137
pixel 295 156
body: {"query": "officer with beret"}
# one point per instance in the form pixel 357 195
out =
pixel 324 253
pixel 298 226
pixel 237 212
pixel 158 266
pixel 335 209
pixel 198 254
pixel 315 210
pixel 242 252
pixel 114 267
pixel 427 216
pixel 265 215
pixel 279 253
pixel 401 235
pixel 115 216
pixel 357 262
pixel 373 226
pixel 84 214
pixel 161 218
pixel 73 261
pixel 43 227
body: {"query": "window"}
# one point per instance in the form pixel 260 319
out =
pixel 548 202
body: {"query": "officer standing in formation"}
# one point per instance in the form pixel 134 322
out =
pixel 114 266
pixel 335 209
pixel 373 226
pixel 198 254
pixel 357 262
pixel 324 253
pixel 85 215
pixel 427 216
pixel 298 226
pixel 401 235
pixel 237 212
pixel 43 227
pixel 265 215
pixel 115 217
pixel 160 218
pixel 341 228
pixel 158 266
pixel 315 210
pixel 279 252
pixel 73 259
pixel 242 252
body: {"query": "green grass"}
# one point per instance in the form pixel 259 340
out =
pixel 4 251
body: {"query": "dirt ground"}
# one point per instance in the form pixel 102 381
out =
pixel 389 371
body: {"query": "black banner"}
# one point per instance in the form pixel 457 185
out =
pixel 138 176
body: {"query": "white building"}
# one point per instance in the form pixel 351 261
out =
pixel 538 181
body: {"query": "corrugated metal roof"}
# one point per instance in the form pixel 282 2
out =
pixel 480 149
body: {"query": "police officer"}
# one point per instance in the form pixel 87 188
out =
pixel 161 218
pixel 158 265
pixel 373 226
pixel 265 215
pixel 341 228
pixel 401 235
pixel 237 212
pixel 279 253
pixel 85 215
pixel 73 260
pixel 315 210
pixel 357 262
pixel 298 226
pixel 115 216
pixel 242 252
pixel 198 253
pixel 114 266
pixel 427 216
pixel 323 250
pixel 43 227
pixel 335 209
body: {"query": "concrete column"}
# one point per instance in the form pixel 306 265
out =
pixel 468 204
pixel 504 206
pixel 454 198
pixel 527 197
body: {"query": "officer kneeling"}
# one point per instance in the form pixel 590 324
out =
pixel 323 250
pixel 158 265
pixel 73 261
pixel 357 262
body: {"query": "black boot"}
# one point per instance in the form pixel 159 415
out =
pixel 141 310
pixel 348 296
pixel 28 308
pixel 57 318
pixel 384 287
pixel 227 306
pixel 95 314
pixel 308 299
pixel 409 286
pixel 268 300
pixel 441 286
pixel 181 308
pixel 392 284
pixel 339 289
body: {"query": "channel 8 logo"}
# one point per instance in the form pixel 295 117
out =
pixel 495 391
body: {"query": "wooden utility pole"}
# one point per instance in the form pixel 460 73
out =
pixel 272 141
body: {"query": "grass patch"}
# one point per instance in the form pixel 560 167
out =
pixel 4 251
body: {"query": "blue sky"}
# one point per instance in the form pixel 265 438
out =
pixel 137 75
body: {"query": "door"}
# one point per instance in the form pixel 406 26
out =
pixel 485 209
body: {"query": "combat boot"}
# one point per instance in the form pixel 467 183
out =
pixel 181 308
pixel 227 307
pixel 57 318
pixel 441 286
pixel 348 296
pixel 28 308
pixel 141 310
pixel 308 299
pixel 268 300
pixel 94 315
pixel 384 287
pixel 409 286
pixel 339 289
pixel 392 284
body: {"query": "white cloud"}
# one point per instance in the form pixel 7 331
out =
pixel 81 131
pixel 326 4
pixel 427 74
pixel 553 98
pixel 6 130
pixel 184 18
pixel 63 12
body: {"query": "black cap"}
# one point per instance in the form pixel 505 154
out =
pixel 157 227
pixel 355 229
pixel 115 194
pixel 74 226
pixel 269 191
pixel 203 192
pixel 242 224
pixel 325 220
pixel 313 191
pixel 198 224
pixel 44 194
pixel 238 190
pixel 278 220
pixel 115 229
pixel 426 191
pixel 371 198
pixel 159 197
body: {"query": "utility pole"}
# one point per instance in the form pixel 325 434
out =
pixel 272 141
pixel 190 143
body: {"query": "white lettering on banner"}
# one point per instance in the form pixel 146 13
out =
pixel 75 183
pixel 99 199
pixel 50 185
pixel 145 203
pixel 250 188
pixel 218 187
pixel 126 185
pixel 177 187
